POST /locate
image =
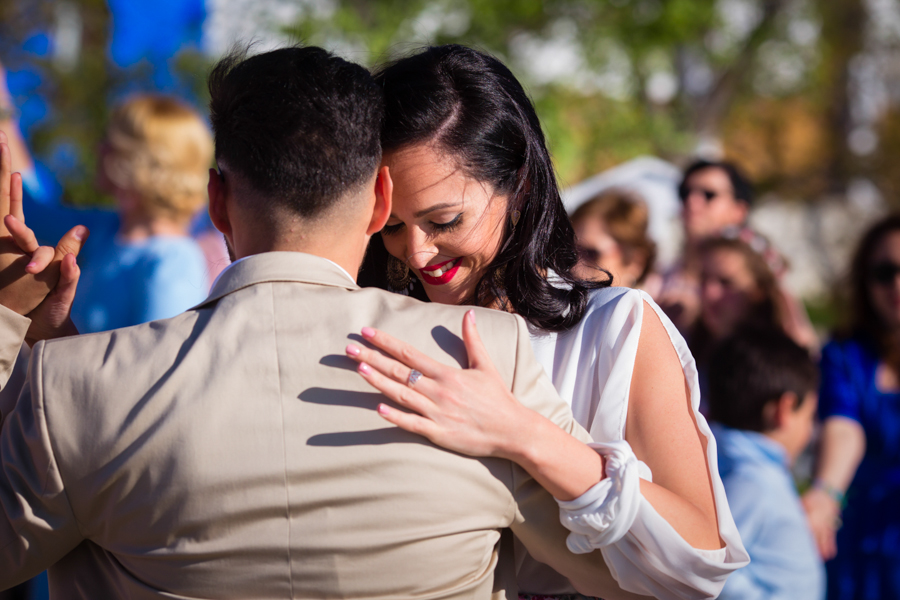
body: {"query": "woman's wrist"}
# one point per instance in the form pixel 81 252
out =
pixel 562 464
pixel 833 492
pixel 523 430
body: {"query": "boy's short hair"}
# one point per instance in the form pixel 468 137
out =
pixel 301 125
pixel 752 368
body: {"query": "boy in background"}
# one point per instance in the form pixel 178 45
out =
pixel 762 396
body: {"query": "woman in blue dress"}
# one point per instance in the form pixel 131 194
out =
pixel 859 457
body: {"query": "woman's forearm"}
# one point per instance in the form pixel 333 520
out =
pixel 563 465
pixel 842 448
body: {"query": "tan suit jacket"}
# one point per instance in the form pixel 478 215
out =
pixel 233 452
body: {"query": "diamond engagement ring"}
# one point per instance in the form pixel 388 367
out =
pixel 414 376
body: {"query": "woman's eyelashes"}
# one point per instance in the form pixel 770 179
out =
pixel 449 225
pixel 436 227
pixel 391 229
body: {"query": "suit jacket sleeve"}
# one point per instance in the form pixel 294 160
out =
pixel 13 328
pixel 537 524
pixel 37 525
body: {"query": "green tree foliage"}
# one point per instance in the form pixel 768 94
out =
pixel 768 81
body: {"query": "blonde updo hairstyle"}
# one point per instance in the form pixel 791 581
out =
pixel 160 149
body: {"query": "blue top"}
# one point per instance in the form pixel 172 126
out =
pixel 784 561
pixel 868 560
pixel 122 284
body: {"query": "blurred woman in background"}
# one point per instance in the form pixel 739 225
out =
pixel 859 454
pixel 611 229
pixel 737 286
pixel 140 263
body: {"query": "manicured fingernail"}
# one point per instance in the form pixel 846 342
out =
pixel 383 409
pixel 368 332
pixel 352 350
pixel 31 265
pixel 471 314
pixel 80 233
pixel 364 368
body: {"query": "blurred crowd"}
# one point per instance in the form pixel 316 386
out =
pixel 768 382
pixel 770 387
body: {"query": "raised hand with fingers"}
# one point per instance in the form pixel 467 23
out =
pixel 30 273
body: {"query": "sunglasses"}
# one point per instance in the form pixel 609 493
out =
pixel 684 193
pixel 589 254
pixel 884 273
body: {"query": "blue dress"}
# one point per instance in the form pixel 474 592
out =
pixel 867 566
pixel 122 283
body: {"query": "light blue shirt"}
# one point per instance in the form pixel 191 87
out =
pixel 784 561
pixel 137 282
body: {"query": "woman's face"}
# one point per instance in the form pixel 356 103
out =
pixel 884 285
pixel 444 225
pixel 728 291
pixel 599 249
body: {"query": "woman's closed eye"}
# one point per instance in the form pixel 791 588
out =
pixel 436 227
pixel 448 226
pixel 391 229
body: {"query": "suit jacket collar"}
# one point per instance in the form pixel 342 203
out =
pixel 278 266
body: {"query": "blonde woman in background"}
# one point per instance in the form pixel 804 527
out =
pixel 612 235
pixel 140 263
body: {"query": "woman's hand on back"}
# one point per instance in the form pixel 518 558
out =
pixel 470 411
pixel 473 412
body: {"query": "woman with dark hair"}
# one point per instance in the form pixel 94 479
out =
pixel 477 219
pixel 858 472
pixel 738 287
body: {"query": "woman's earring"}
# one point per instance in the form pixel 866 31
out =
pixel 397 273
pixel 514 217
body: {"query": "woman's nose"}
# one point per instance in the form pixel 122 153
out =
pixel 419 250
pixel 710 291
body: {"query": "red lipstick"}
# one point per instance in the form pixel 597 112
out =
pixel 446 276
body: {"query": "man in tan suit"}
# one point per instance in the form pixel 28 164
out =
pixel 232 451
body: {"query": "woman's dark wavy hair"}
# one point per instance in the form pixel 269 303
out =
pixel 470 106
pixel 864 318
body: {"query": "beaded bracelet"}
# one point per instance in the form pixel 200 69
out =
pixel 835 494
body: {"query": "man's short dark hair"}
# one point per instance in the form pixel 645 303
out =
pixel 743 189
pixel 301 125
pixel 752 368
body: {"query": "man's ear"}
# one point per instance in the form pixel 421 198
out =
pixel 384 196
pixel 782 409
pixel 218 211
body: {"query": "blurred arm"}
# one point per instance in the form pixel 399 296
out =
pixel 9 122
pixel 841 449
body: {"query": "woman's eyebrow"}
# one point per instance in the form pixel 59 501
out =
pixel 435 207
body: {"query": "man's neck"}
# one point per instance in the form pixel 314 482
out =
pixel 347 256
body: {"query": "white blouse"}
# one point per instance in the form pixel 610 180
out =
pixel 591 366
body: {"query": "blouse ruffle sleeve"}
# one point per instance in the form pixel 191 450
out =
pixel 644 553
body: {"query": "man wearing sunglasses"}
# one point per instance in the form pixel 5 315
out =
pixel 714 195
